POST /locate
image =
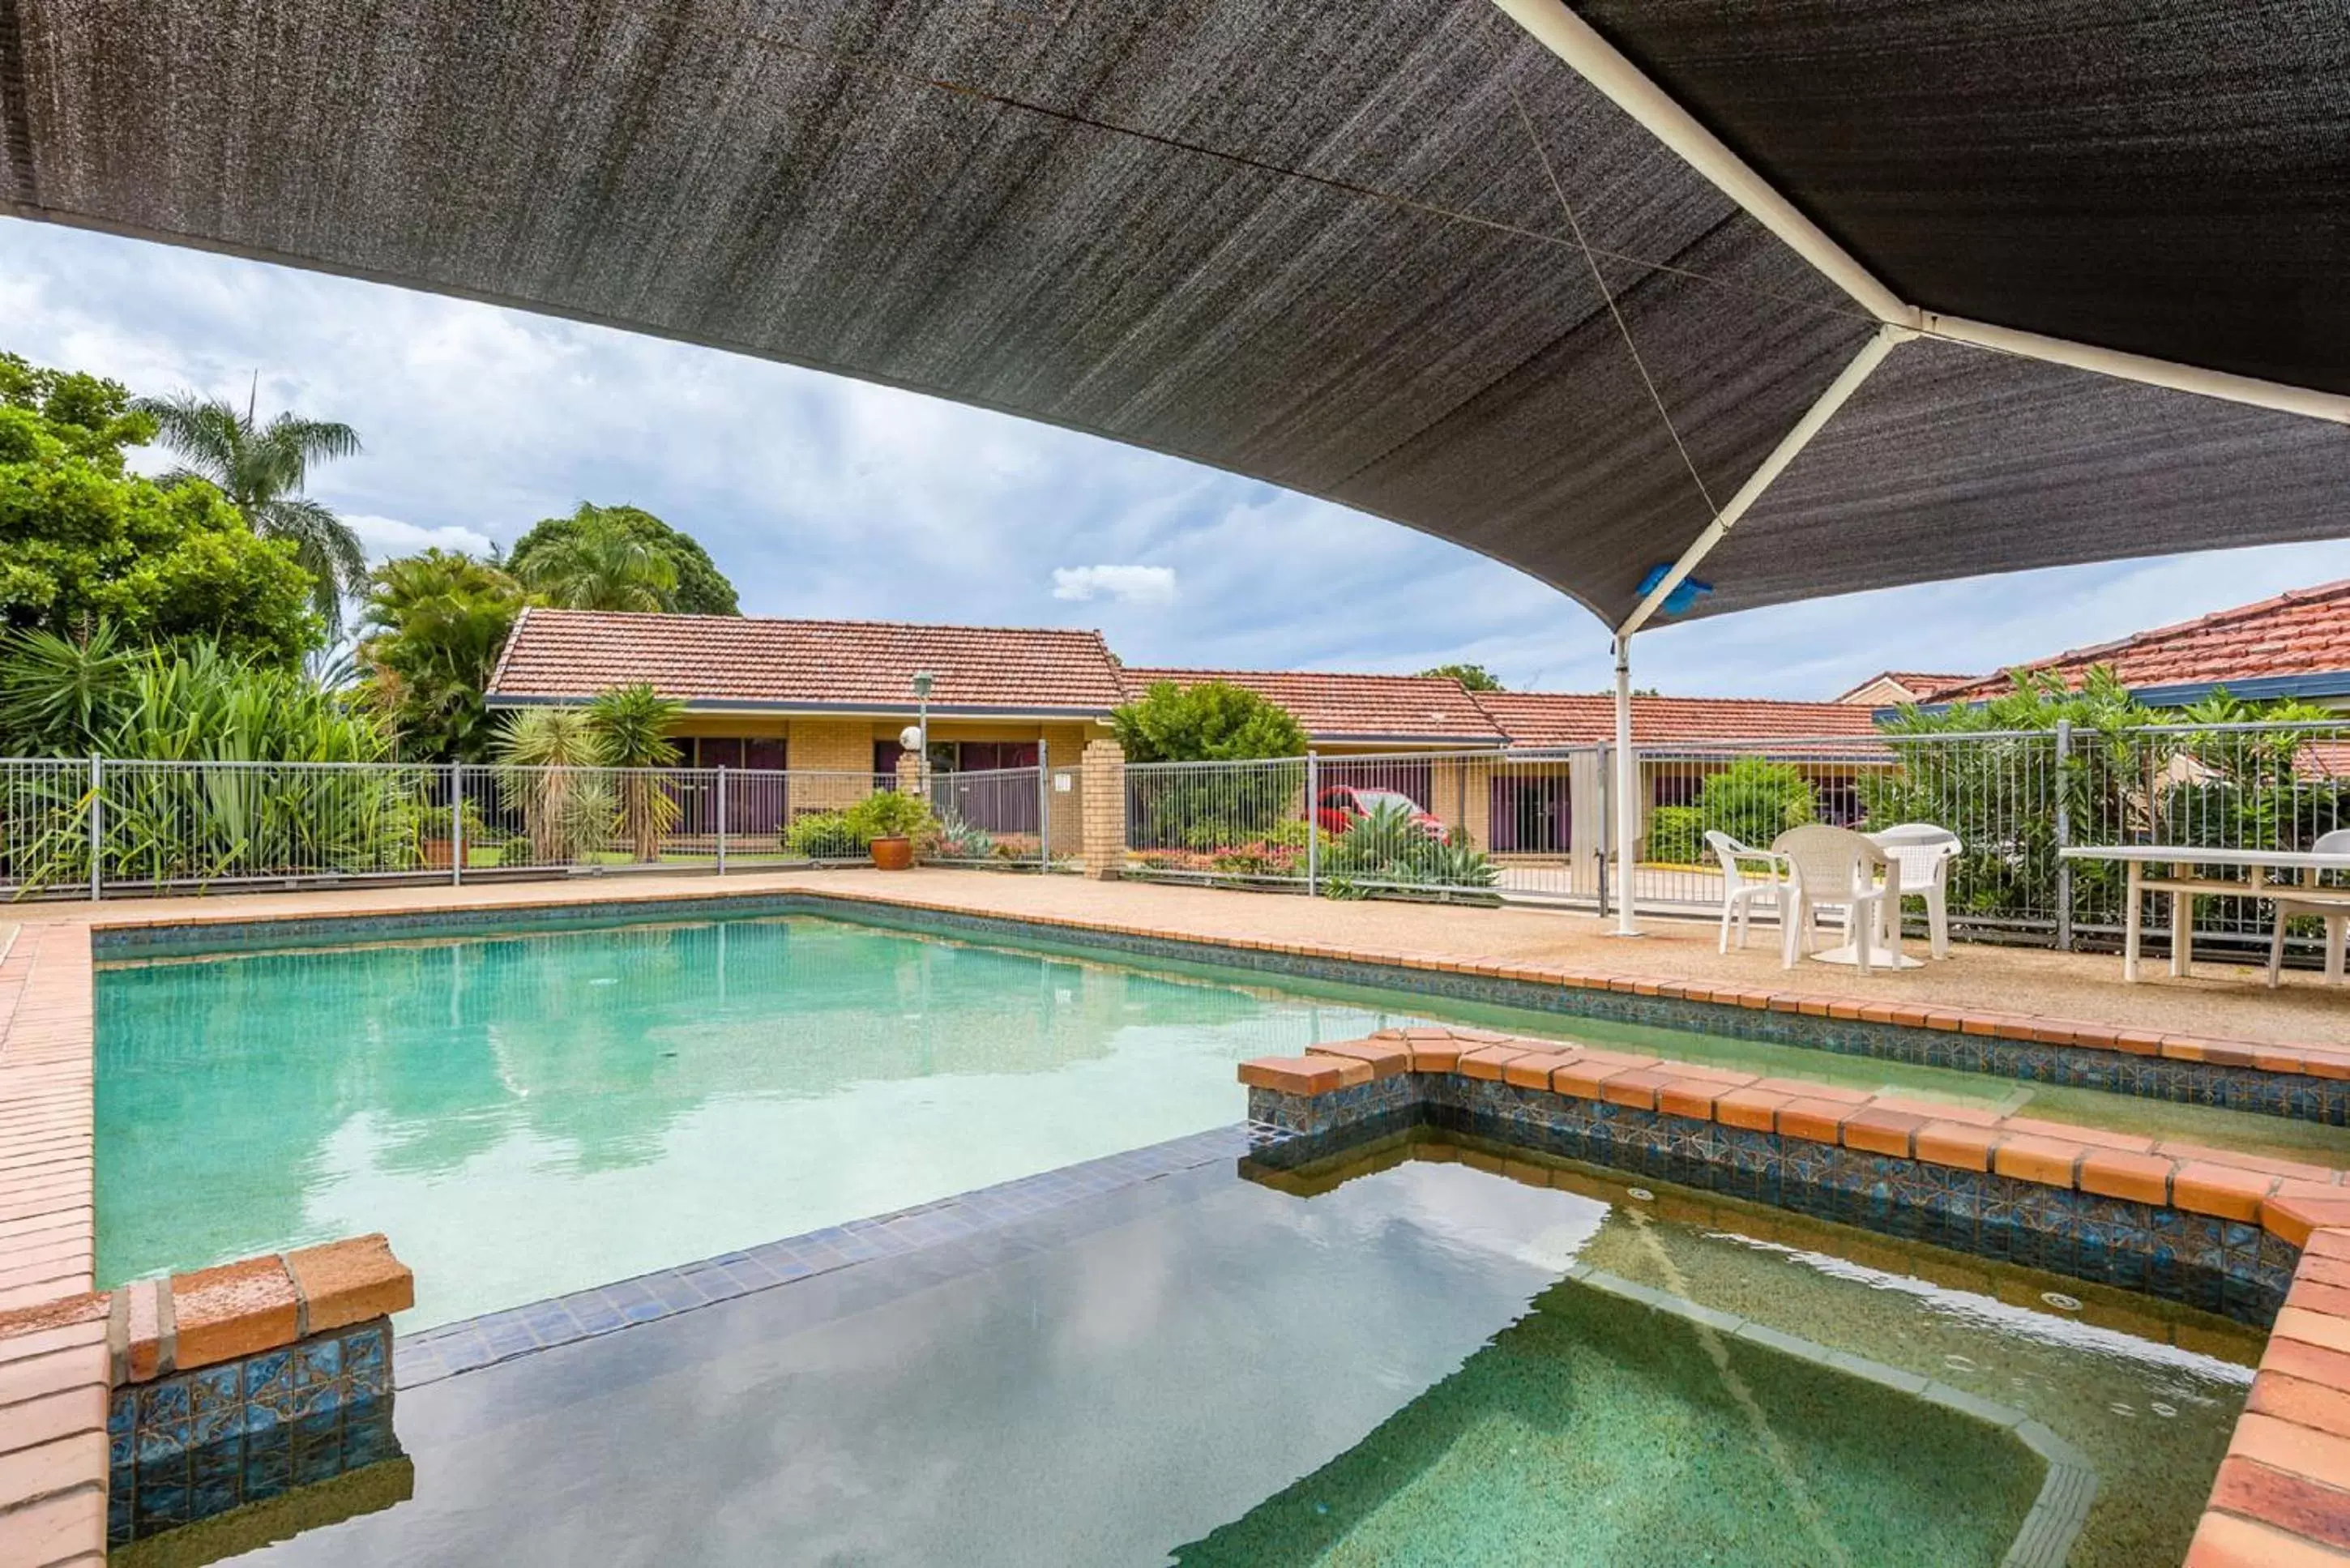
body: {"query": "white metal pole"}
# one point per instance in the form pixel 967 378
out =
pixel 722 819
pixel 1044 805
pixel 97 827
pixel 1883 342
pixel 456 824
pixel 1313 823
pixel 1562 33
pixel 1628 800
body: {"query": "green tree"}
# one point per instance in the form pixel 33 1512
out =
pixel 1472 677
pixel 699 588
pixel 262 468
pixel 1210 722
pixel 82 541
pixel 434 625
pixel 600 567
pixel 636 722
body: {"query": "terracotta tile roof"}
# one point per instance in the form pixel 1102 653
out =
pixel 823 664
pixel 1422 709
pixel 2304 632
pixel 1570 718
pixel 1920 684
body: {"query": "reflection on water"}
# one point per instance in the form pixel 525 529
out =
pixel 534 1113
pixel 249 1489
pixel 1097 1384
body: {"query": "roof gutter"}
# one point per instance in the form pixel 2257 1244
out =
pixel 694 705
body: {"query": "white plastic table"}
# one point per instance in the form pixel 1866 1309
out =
pixel 2183 889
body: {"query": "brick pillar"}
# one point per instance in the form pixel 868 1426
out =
pixel 1104 782
pixel 911 769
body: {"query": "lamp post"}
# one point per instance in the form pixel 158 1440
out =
pixel 922 700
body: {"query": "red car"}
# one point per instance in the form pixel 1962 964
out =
pixel 1343 805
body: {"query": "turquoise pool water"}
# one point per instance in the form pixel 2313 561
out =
pixel 532 1114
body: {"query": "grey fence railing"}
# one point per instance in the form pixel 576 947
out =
pixel 1537 826
pixel 1007 817
pixel 106 825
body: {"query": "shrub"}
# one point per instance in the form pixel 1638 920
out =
pixel 1754 801
pixel 1677 835
pixel 1212 721
pixel 824 835
pixel 890 814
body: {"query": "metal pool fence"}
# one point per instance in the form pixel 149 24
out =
pixel 88 828
pixel 1479 826
pixel 1537 826
pixel 1006 817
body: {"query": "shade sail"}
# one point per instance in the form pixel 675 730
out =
pixel 1396 253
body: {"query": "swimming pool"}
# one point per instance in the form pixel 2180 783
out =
pixel 1400 1362
pixel 530 1111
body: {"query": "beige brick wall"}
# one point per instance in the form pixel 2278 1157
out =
pixel 832 745
pixel 1104 810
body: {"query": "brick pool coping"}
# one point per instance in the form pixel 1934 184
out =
pixel 2282 1497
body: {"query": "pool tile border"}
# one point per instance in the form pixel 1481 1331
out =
pixel 433 1353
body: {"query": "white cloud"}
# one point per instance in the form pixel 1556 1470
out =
pixel 387 536
pixel 1129 584
pixel 821 496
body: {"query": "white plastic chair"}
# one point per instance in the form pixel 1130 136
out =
pixel 1836 867
pixel 1740 891
pixel 2336 915
pixel 1924 853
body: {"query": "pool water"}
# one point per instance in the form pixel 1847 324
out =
pixel 532 1113
pixel 1392 1369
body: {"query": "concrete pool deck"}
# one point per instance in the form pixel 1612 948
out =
pixel 54 1380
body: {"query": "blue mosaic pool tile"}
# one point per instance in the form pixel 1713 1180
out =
pixel 162 1420
pixel 215 1403
pixel 2226 1267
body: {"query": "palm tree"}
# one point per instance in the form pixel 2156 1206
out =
pixel 601 567
pixel 634 721
pixel 261 469
pixel 552 773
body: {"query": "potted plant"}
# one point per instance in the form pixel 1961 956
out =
pixel 889 822
pixel 436 839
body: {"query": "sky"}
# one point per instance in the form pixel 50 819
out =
pixel 822 496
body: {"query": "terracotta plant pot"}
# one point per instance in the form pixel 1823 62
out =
pixel 894 854
pixel 439 853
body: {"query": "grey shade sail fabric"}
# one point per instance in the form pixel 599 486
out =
pixel 1342 250
pixel 2167 177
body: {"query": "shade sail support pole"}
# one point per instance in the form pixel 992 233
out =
pixel 1598 62
pixel 1883 342
pixel 1627 805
